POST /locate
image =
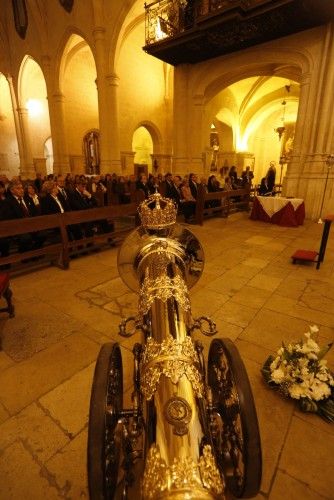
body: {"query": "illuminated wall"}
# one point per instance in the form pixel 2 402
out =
pixel 9 155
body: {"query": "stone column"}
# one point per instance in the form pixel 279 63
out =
pixel 17 127
pixel 314 139
pixel 108 108
pixel 29 169
pixel 59 140
pixel 180 122
pixel 127 162
pixel 113 121
pixel 195 136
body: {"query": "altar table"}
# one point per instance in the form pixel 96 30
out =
pixel 278 210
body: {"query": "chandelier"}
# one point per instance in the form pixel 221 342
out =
pixel 281 129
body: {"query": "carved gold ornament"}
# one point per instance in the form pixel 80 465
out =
pixel 183 474
pixel 173 359
pixel 157 212
pixel 178 413
pixel 163 288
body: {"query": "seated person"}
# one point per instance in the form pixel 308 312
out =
pixel 123 191
pixel 141 184
pixel 31 199
pixel 264 189
pixel 234 177
pixel 50 202
pixel 172 188
pixel 188 202
pixel 193 184
pixel 81 199
pixel 152 184
pixel 247 177
pixel 15 207
pixel 228 184
pixel 213 187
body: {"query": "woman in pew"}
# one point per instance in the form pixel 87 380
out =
pixel 50 203
pixel 213 187
pixel 188 202
pixel 31 199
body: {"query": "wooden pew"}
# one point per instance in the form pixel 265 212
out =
pixel 59 253
pixel 228 201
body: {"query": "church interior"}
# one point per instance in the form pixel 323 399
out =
pixel 86 88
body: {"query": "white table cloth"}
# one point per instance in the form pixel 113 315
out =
pixel 272 204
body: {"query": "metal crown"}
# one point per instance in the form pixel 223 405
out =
pixel 157 212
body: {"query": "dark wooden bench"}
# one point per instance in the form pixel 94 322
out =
pixel 59 252
pixel 226 202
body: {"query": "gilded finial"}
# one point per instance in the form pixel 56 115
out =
pixel 157 212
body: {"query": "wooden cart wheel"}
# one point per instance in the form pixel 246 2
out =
pixel 104 443
pixel 238 448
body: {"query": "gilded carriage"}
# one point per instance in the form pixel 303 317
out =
pixel 192 430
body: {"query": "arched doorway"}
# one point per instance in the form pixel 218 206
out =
pixel 142 145
pixel 248 116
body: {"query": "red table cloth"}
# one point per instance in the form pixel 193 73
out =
pixel 282 211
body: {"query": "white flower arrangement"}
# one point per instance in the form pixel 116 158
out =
pixel 299 371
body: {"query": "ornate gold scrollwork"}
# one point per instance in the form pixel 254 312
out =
pixel 199 324
pixel 173 359
pixel 163 288
pixel 183 474
pixel 123 328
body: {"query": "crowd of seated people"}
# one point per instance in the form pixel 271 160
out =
pixel 51 195
pixel 54 194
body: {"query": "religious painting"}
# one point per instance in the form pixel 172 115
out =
pixel 287 140
pixel 20 17
pixel 214 145
pixel 67 4
pixel 92 152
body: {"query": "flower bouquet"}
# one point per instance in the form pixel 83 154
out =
pixel 299 372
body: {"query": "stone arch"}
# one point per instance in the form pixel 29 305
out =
pixel 128 19
pixel 154 132
pixel 27 61
pixel 285 62
pixel 64 48
pixel 33 109
pixel 9 152
pixel 148 145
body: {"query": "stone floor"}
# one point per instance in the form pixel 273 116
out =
pixel 249 287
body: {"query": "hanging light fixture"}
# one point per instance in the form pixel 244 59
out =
pixel 280 130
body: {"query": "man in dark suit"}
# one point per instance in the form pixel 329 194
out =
pixel 193 185
pixel 63 193
pixel 172 190
pixel 38 183
pixel 81 199
pixel 141 184
pixel 14 207
pixel 247 177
